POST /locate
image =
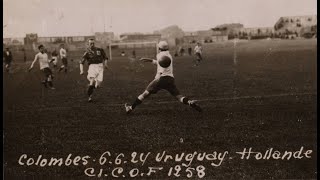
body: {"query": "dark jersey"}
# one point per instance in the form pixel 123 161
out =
pixel 54 53
pixel 7 55
pixel 94 56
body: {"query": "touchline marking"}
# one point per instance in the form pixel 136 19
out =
pixel 266 96
pixel 163 102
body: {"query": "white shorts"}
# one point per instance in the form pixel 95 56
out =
pixel 95 71
pixel 55 61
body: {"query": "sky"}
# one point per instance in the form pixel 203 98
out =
pixel 84 17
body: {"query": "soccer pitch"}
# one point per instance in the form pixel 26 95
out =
pixel 266 100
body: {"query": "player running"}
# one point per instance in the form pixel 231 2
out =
pixel 189 50
pixel 198 53
pixel 64 60
pixel 43 59
pixel 97 60
pixel 7 55
pixel 164 79
pixel 54 58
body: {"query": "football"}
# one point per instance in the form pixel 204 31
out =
pixel 164 61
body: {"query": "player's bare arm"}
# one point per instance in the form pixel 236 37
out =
pixel 50 61
pixel 81 69
pixel 148 60
pixel 34 61
pixel 106 64
pixel 81 66
pixel 82 62
pixel 105 60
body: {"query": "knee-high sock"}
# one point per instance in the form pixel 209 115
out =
pixel 136 103
pixel 184 100
pixel 90 90
pixel 50 83
pixel 139 100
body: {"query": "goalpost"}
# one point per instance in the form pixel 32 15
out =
pixel 133 49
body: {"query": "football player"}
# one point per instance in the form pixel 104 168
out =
pixel 43 59
pixel 7 55
pixel 164 79
pixel 198 53
pixel 54 58
pixel 97 61
pixel 63 57
pixel 189 50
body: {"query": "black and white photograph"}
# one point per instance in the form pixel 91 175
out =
pixel 159 89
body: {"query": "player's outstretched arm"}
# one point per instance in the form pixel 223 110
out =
pixel 81 69
pixel 106 64
pixel 147 60
pixel 105 61
pixel 62 53
pixel 81 65
pixel 51 60
pixel 84 58
pixel 34 61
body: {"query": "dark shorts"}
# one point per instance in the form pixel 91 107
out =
pixel 64 61
pixel 199 57
pixel 7 63
pixel 47 71
pixel 165 82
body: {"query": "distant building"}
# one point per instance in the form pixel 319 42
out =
pixel 104 37
pixel 207 36
pixel 67 40
pixel 6 41
pixel 172 34
pixel 31 38
pixel 72 42
pixel 204 36
pixel 190 38
pixel 255 31
pixel 188 33
pixel 78 39
pixel 205 33
pixel 219 38
pixel 295 24
pixel 140 37
pixel 44 40
pixel 228 29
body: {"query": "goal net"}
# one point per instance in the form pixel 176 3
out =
pixel 132 50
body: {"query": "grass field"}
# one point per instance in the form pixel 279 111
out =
pixel 267 100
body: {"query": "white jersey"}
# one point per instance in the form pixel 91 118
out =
pixel 63 53
pixel 198 49
pixel 164 71
pixel 43 60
